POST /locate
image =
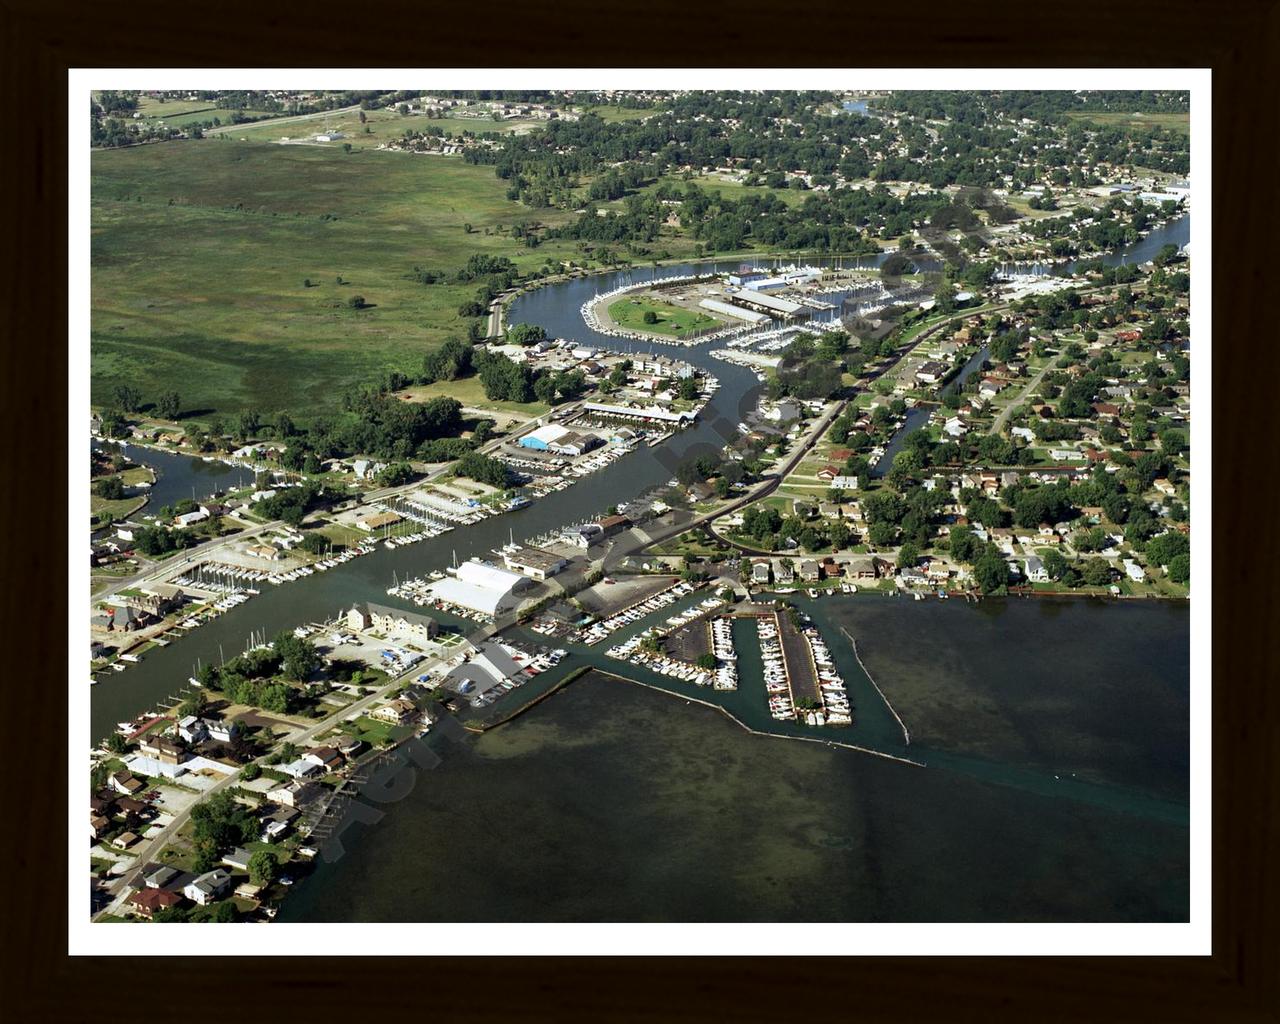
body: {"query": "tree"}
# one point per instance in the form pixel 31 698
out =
pixel 112 488
pixel 1180 569
pixel 526 334
pixel 263 866
pixel 299 658
pixel 650 317
pixel 838 535
pixel 356 302
pixel 168 405
pixel 346 147
pixel 1096 572
pixel 707 661
pixel 908 555
pixel 127 397
pixel 991 572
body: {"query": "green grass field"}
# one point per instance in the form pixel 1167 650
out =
pixel 470 392
pixel 200 250
pixel 1110 118
pixel 672 320
pixel 179 113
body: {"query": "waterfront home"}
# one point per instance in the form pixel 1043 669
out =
pixel 326 758
pixel 398 712
pixel 860 567
pixel 781 412
pixel 293 794
pixel 206 888
pixel 300 768
pixel 221 730
pixel 1035 570
pixel 238 859
pixel 760 572
pixel 145 902
pixel 809 570
pixel 931 372
pixel 163 749
pixel 192 730
pixel 912 577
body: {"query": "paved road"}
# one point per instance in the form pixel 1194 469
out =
pixel 1005 413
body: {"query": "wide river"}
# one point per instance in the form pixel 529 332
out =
pixel 1056 746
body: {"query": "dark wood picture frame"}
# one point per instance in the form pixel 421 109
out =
pixel 1239 40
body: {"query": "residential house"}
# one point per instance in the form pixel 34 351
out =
pixel 1035 570
pixel 760 572
pixel 163 749
pixel 160 877
pixel 860 568
pixel 146 902
pixel 192 730
pixel 206 888
pixel 809 570
pixel 221 730
pixel 238 859
pixel 124 783
pixel 300 769
pixel 326 758
pixel 293 794
pixel 397 712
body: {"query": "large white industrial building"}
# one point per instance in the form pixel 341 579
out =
pixel 479 587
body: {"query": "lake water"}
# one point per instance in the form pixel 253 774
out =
pixel 610 802
pixel 179 476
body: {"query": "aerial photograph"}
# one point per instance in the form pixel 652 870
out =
pixel 619 505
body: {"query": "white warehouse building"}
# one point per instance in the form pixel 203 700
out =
pixel 479 587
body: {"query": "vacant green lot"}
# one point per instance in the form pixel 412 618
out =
pixel 672 320
pixel 470 392
pixel 1111 118
pixel 200 250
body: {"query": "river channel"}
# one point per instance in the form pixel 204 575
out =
pixel 555 307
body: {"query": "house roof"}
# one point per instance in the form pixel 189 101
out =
pixel 154 899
